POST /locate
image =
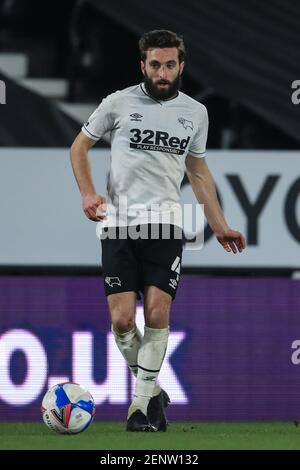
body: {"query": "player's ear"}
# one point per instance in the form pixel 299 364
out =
pixel 181 67
pixel 143 67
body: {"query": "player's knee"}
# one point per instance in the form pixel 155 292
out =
pixel 123 324
pixel 157 317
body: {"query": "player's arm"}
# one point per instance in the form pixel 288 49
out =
pixel 94 206
pixel 205 191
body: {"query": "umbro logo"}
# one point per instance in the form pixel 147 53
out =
pixel 186 123
pixel 136 117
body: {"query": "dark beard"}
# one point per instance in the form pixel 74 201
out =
pixel 153 91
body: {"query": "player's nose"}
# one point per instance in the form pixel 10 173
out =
pixel 162 72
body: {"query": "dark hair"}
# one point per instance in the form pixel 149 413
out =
pixel 161 38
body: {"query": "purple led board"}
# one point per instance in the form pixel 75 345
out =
pixel 233 354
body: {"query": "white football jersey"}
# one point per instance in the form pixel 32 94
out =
pixel 150 140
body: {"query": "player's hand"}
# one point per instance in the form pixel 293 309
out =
pixel 94 207
pixel 232 241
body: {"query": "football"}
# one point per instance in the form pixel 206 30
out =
pixel 67 408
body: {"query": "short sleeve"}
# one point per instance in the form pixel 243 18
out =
pixel 102 120
pixel 197 146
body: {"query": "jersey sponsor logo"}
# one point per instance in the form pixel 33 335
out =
pixel 186 123
pixel 160 141
pixel 136 117
pixel 111 281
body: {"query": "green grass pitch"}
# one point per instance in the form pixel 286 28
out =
pixel 180 436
